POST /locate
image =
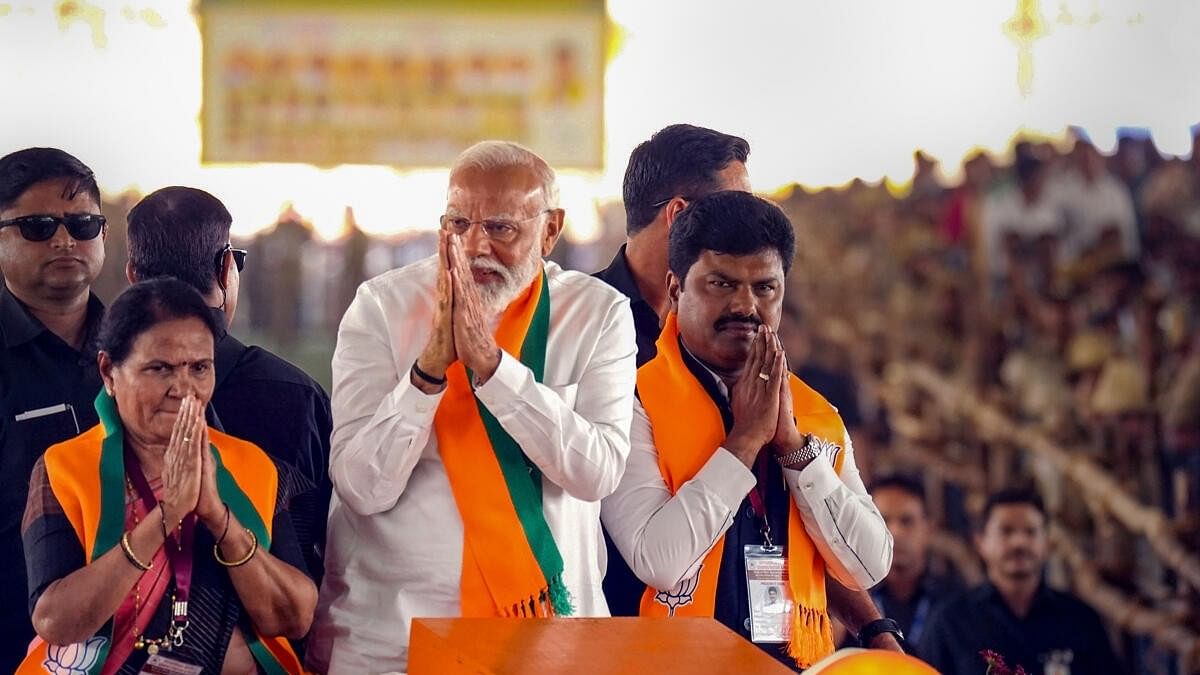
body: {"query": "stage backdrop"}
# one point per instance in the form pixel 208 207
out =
pixel 407 83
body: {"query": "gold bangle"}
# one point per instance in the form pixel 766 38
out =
pixel 243 561
pixel 133 559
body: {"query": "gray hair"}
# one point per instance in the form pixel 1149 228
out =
pixel 493 155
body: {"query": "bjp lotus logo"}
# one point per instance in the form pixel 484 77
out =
pixel 76 659
pixel 680 595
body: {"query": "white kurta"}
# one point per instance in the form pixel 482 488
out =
pixel 395 537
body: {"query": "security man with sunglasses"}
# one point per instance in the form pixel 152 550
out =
pixel 51 251
pixel 184 232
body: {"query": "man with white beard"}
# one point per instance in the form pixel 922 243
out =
pixel 482 401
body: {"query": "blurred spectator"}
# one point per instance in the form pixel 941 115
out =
pixel 916 585
pixel 1019 213
pixel 1181 448
pixel 1014 613
pixel 1095 202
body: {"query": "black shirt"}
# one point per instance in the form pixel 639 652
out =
pixel 47 390
pixel 263 399
pixel 622 589
pixel 838 388
pixel 1058 625
pixel 645 319
pixel 913 614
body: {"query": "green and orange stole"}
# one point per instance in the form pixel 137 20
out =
pixel 511 564
pixel 87 476
pixel 687 429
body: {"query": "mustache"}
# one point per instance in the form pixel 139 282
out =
pixel 754 321
pixel 484 264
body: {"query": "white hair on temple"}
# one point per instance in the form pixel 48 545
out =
pixel 490 155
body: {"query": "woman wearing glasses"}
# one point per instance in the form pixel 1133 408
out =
pixel 152 539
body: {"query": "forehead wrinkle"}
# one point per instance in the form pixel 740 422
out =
pixel 461 199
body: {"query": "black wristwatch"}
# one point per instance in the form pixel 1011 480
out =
pixel 873 629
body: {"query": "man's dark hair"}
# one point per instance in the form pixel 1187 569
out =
pixel 178 231
pixel 1011 496
pixel 146 304
pixel 731 222
pixel 902 482
pixel 23 169
pixel 679 161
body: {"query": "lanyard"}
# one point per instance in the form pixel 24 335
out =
pixel 757 500
pixel 179 555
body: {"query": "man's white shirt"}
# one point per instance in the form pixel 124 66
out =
pixel 395 537
pixel 665 537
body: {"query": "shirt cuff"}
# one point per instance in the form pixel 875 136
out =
pixel 504 384
pixel 725 476
pixel 413 404
pixel 814 482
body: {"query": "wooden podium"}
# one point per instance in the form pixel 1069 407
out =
pixel 593 646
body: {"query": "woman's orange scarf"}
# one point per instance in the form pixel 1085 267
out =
pixel 87 476
pixel 687 429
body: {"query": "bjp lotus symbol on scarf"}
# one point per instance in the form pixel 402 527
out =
pixel 680 595
pixel 76 659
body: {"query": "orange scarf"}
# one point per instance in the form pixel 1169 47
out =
pixel 87 476
pixel 687 429
pixel 511 564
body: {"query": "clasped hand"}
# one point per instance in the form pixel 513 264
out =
pixel 461 326
pixel 189 473
pixel 761 402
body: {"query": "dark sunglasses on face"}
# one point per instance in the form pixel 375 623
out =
pixel 239 257
pixel 81 226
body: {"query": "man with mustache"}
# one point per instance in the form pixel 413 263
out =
pixel 677 165
pixel 51 251
pixel 731 454
pixel 1014 613
pixel 481 404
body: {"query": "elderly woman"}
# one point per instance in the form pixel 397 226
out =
pixel 152 538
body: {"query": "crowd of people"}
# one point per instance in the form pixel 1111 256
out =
pixel 680 434
pixel 1057 286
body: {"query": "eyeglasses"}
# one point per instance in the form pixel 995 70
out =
pixel 500 230
pixel 81 226
pixel 239 257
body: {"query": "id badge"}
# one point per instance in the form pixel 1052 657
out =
pixel 165 665
pixel 770 595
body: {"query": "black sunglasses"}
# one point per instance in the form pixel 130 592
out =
pixel 81 226
pixel 662 203
pixel 239 257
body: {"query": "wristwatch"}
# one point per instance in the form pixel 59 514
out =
pixel 807 452
pixel 875 628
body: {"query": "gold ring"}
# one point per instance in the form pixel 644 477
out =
pixel 764 377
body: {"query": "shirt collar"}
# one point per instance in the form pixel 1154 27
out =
pixel 19 325
pixel 716 379
pixel 619 276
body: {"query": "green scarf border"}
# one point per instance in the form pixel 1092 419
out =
pixel 523 478
pixel 111 527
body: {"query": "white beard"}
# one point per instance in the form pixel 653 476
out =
pixel 497 296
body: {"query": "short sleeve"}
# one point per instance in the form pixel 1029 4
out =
pixel 52 549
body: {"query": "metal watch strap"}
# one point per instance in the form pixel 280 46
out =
pixel 805 453
pixel 876 628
